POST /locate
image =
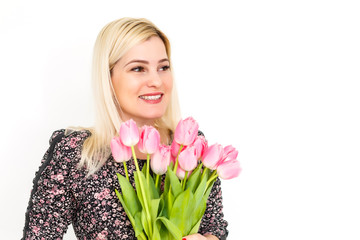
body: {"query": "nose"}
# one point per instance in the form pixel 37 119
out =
pixel 154 79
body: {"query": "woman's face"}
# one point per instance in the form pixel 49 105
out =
pixel 143 82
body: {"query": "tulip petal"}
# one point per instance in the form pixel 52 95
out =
pixel 129 133
pixel 229 169
pixel 187 159
pixel 212 156
pixel 186 131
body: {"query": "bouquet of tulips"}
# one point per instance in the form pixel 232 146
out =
pixel 175 208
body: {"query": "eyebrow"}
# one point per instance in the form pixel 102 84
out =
pixel 145 62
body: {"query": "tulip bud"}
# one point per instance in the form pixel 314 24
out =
pixel 180 173
pixel 229 169
pixel 160 160
pixel 186 131
pixel 187 159
pixel 129 133
pixel 200 145
pixel 212 156
pixel 149 140
pixel 120 152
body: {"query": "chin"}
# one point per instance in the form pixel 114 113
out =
pixel 153 115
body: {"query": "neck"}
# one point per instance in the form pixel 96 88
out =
pixel 139 121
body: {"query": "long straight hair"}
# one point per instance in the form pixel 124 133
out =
pixel 113 41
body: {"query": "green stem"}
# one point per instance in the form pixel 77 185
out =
pixel 177 158
pixel 213 176
pixel 201 164
pixel 203 174
pixel 157 180
pixel 184 183
pixel 213 173
pixel 126 171
pixel 147 211
pixel 148 168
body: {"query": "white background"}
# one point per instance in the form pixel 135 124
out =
pixel 279 80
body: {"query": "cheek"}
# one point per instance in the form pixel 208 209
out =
pixel 169 84
pixel 125 87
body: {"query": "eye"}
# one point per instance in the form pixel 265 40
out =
pixel 138 69
pixel 164 68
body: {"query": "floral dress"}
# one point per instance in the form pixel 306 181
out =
pixel 63 195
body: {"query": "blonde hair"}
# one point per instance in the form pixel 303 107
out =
pixel 113 41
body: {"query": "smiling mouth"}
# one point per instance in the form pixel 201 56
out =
pixel 151 97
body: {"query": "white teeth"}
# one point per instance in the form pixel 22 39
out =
pixel 154 97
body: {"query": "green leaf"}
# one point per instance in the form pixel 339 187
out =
pixel 134 221
pixel 138 225
pixel 137 186
pixel 141 237
pixel 168 200
pixel 146 186
pixel 156 232
pixel 164 233
pixel 161 207
pixel 171 227
pixel 144 223
pixel 153 191
pixel 145 200
pixel 175 184
pixel 129 195
pixel 154 207
pixel 200 191
pixel 197 216
pixel 167 182
pixel 194 179
pixel 182 210
pixel 208 190
pixel 143 170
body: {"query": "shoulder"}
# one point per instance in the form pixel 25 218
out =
pixel 67 144
pixel 64 152
pixel 69 137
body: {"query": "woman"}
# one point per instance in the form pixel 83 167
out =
pixel 75 184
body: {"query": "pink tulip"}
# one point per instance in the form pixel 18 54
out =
pixel 186 131
pixel 187 159
pixel 160 160
pixel 149 140
pixel 200 145
pixel 180 173
pixel 175 148
pixel 230 153
pixel 229 169
pixel 129 133
pixel 212 156
pixel 120 152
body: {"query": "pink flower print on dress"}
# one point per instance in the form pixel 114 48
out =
pixel 36 229
pixel 60 177
pixel 73 142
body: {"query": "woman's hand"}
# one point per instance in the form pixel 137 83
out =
pixel 198 236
